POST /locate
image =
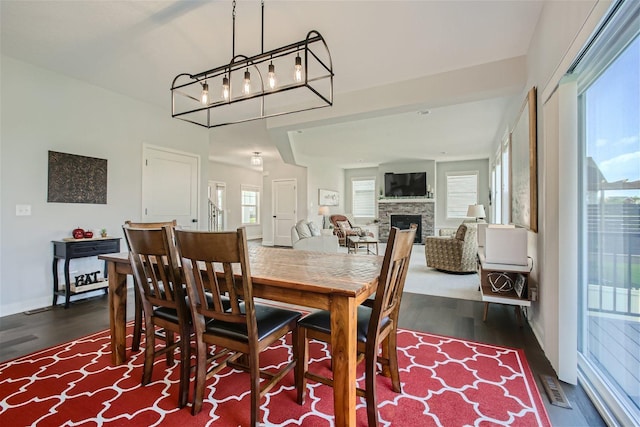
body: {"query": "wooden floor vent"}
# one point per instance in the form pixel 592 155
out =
pixel 554 391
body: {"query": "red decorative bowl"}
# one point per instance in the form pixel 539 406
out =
pixel 88 234
pixel 78 233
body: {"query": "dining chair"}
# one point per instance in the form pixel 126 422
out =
pixel 137 321
pixel 214 263
pixel 376 327
pixel 157 274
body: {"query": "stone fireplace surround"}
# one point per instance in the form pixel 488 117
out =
pixel 406 206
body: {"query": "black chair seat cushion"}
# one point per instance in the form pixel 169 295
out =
pixel 166 313
pixel 268 319
pixel 321 321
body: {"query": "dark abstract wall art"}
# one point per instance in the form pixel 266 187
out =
pixel 76 179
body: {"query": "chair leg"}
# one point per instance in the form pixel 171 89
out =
pixel 370 385
pixel 149 355
pixel 185 368
pixel 302 362
pixel 169 341
pixel 392 357
pixel 254 366
pixel 201 375
pixel 137 323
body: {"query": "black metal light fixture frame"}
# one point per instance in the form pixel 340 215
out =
pixel 187 106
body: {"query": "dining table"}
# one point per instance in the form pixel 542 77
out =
pixel 336 282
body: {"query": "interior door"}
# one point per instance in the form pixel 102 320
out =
pixel 285 202
pixel 170 186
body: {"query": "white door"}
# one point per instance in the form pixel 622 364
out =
pixel 285 201
pixel 170 186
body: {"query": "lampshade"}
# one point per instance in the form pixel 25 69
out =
pixel 256 160
pixel 323 210
pixel 476 211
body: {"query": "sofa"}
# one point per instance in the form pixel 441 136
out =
pixel 307 236
pixel 456 253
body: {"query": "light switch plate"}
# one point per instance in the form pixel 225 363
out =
pixel 23 210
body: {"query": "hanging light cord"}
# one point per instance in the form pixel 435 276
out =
pixel 233 34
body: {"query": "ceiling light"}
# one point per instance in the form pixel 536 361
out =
pixel 310 86
pixel 204 97
pixel 424 112
pixel 272 76
pixel 256 160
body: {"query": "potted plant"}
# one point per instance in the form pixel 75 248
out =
pixel 103 232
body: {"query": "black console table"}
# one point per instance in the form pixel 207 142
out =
pixel 68 249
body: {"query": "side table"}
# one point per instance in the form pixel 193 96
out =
pixel 68 249
pixel 512 280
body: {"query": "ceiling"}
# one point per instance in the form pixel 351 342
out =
pixel 136 48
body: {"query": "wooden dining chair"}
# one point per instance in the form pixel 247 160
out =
pixel 208 261
pixel 376 327
pixel 157 274
pixel 137 322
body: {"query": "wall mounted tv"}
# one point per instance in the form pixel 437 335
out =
pixel 405 184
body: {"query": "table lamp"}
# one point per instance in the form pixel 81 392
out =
pixel 476 211
pixel 324 211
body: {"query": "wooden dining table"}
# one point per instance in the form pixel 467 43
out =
pixel 334 282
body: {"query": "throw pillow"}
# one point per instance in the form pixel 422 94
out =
pixel 303 229
pixel 344 225
pixel 315 230
pixel 462 231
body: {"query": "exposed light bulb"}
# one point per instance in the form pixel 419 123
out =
pixel 204 97
pixel 225 88
pixel 272 76
pixel 246 86
pixel 298 69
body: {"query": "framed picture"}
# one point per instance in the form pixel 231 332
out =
pixel 524 167
pixel 328 198
pixel 76 179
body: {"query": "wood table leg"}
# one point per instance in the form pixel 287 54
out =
pixel 343 352
pixel 117 314
pixel 486 310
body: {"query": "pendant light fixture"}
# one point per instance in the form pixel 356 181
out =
pixel 268 94
pixel 256 160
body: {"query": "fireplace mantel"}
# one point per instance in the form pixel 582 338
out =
pixel 407 200
pixel 406 206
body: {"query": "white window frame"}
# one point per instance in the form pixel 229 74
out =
pixel 251 188
pixel 373 197
pixel 470 201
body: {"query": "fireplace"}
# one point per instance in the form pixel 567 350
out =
pixel 403 222
pixel 420 207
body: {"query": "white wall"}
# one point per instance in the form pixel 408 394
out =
pixel 562 30
pixel 442 168
pixel 42 111
pixel 327 177
pixel 234 177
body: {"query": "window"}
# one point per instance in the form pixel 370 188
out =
pixel 363 197
pixel 462 191
pixel 250 205
pixel 609 211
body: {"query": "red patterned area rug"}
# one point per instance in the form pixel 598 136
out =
pixel 446 382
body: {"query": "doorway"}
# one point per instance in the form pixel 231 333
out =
pixel 285 201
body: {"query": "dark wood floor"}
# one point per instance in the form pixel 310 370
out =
pixel 22 334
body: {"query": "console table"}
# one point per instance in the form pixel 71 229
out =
pixel 500 274
pixel 68 249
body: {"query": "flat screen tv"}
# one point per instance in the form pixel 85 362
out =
pixel 405 184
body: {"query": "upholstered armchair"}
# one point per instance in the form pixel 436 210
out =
pixel 456 253
pixel 343 228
